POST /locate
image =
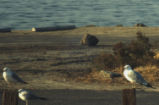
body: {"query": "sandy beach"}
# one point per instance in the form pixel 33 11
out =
pixel 58 55
pixel 50 62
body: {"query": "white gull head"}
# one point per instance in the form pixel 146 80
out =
pixel 127 67
pixel 6 69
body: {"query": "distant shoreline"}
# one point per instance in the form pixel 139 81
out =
pixel 118 30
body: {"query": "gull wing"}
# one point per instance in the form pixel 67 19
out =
pixel 17 78
pixel 34 97
pixel 140 79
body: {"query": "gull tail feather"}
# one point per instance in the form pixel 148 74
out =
pixel 148 85
pixel 23 82
pixel 42 98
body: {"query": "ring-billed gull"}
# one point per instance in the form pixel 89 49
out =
pixel 11 77
pixel 26 96
pixel 134 77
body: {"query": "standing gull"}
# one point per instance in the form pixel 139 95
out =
pixel 134 77
pixel 11 77
pixel 26 96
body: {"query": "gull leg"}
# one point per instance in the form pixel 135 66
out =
pixel 130 85
pixel 134 85
pixel 27 102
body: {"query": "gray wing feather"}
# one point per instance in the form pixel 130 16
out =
pixel 17 78
pixel 135 76
pixel 140 79
pixel 30 96
pixel 34 97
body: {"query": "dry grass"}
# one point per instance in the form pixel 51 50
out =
pixel 156 55
pixel 149 72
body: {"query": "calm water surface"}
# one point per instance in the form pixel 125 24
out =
pixel 25 14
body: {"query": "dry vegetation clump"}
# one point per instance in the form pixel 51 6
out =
pixel 149 72
pixel 156 56
pixel 105 61
pixel 95 76
pixel 138 53
pixel 101 77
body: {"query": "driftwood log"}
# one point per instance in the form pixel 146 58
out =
pixel 5 29
pixel 55 28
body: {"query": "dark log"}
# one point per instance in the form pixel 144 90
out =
pixel 5 29
pixel 44 29
pixel 10 97
pixel 129 96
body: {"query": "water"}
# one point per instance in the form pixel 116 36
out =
pixel 25 14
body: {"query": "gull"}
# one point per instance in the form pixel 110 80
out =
pixel 11 77
pixel 26 96
pixel 134 77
